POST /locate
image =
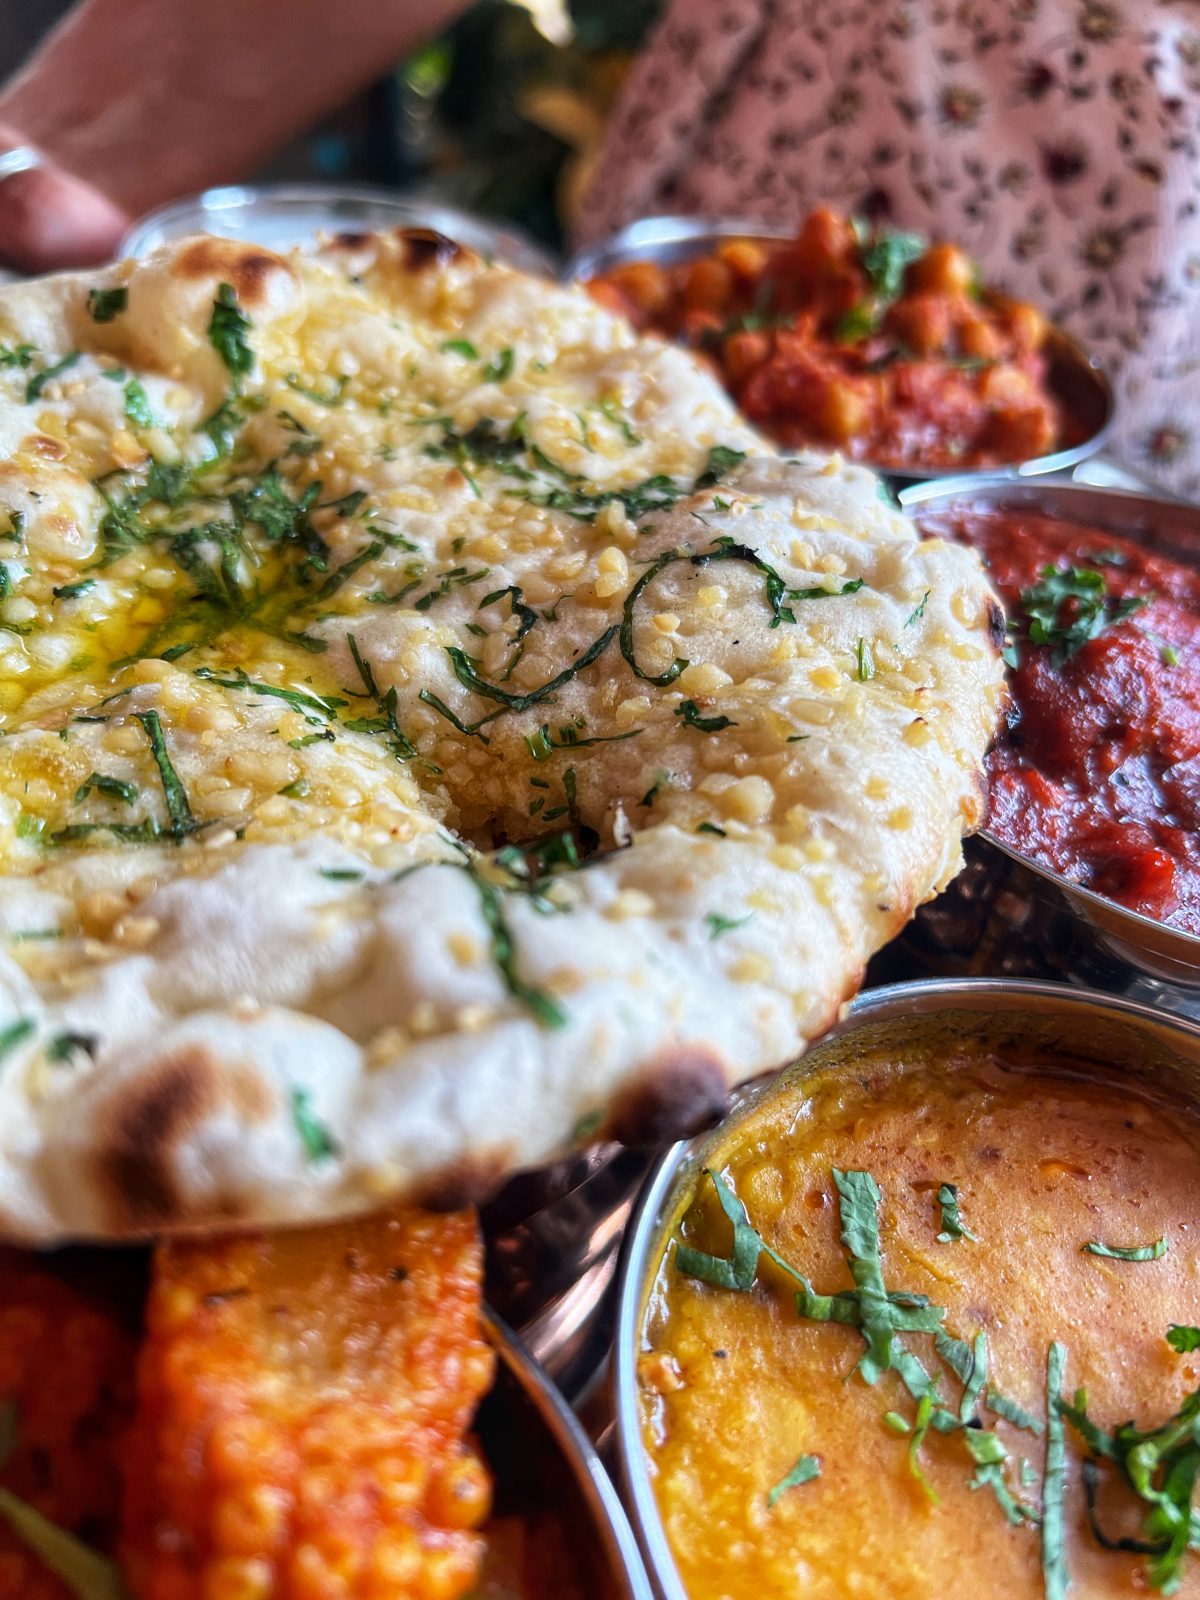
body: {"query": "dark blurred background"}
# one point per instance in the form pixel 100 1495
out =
pixel 501 114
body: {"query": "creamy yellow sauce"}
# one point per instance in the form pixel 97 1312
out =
pixel 736 1387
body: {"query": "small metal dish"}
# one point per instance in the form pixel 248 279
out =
pixel 282 215
pixel 1127 1040
pixel 1076 380
pixel 543 1463
pixel 1006 903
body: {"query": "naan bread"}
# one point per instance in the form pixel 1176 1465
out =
pixel 330 583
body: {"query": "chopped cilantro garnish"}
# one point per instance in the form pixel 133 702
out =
pixel 64 1045
pixel 178 809
pixel 1183 1337
pixel 805 1470
pixel 227 330
pixel 460 347
pixel 857 323
pixel 312 706
pixel 693 718
pixel 114 788
pixel 465 670
pixel 885 259
pixel 662 780
pixel 953 1226
pixel 72 591
pixel 314 1135
pixel 499 369
pixel 722 459
pixel 864 661
pixel 331 397
pixel 14 1034
pixel 386 722
pixel 1055 1575
pixel 36 384
pixel 105 304
pixel 1068 607
pixel 919 611
pixel 717 924
pixel 455 578
pixel 610 409
pixel 1131 1252
pixel 137 404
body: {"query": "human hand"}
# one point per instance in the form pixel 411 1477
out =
pixel 50 219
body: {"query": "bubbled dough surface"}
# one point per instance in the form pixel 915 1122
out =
pixel 220 976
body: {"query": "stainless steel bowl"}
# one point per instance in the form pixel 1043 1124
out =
pixel 1076 380
pixel 1007 907
pixel 542 1461
pixel 1130 1040
pixel 282 215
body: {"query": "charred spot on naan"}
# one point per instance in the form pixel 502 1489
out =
pixel 249 271
pixel 683 1088
pixel 152 1120
pixel 424 248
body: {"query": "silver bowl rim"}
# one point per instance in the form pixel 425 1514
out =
pixel 596 1490
pixel 915 998
pixel 936 493
pixel 640 239
pixel 511 245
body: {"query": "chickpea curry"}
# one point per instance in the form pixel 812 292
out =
pixel 279 1417
pixel 871 341
pixel 900 1327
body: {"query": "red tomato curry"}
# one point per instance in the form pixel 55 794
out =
pixel 1097 773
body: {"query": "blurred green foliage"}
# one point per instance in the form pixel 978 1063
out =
pixel 469 100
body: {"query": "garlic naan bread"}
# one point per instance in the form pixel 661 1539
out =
pixel 436 731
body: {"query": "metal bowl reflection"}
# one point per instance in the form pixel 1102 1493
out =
pixel 543 1465
pixel 280 216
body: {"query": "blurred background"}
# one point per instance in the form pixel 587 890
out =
pixel 500 114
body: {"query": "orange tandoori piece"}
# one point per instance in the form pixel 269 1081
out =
pixel 303 1405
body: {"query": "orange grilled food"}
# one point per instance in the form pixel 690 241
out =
pixel 868 340
pixel 303 1404
pixel 66 1390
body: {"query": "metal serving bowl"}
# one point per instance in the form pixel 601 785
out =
pixel 1075 379
pixel 1129 1040
pixel 1007 912
pixel 281 215
pixel 543 1462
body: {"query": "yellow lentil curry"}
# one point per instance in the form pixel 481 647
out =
pixel 901 1323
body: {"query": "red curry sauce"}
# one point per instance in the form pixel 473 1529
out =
pixel 1097 773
